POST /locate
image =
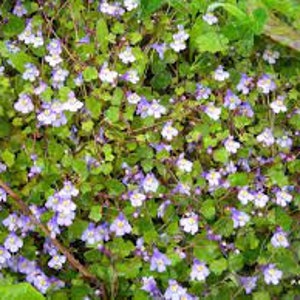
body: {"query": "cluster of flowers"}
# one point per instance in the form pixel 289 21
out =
pixel 19 227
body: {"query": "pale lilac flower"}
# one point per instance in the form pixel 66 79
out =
pixel 142 108
pixel 40 88
pixel 245 109
pixel 53 201
pixel 245 84
pixel 239 218
pixel 260 200
pixel 133 98
pixel 283 198
pixel 159 261
pixel 91 235
pixel 38 40
pixel 162 208
pixel 127 56
pixel 3 168
pixel 231 101
pixel 4 256
pixel 183 164
pixel 220 74
pixel 31 72
pixel 53 60
pixel 174 291
pixel 199 271
pixel 111 9
pixel 42 283
pixel 68 190
pixel 72 104
pixel 266 138
pixel 278 105
pixel 202 92
pixel 136 198
pixel 155 109
pixel 11 222
pixel 13 243
pixel 266 84
pixel 78 80
pixel 120 226
pixel 160 49
pixel 182 188
pixel 106 75
pixel 2 69
pixel 58 77
pixel 150 183
pixel 284 142
pixel 190 223
pixel 131 76
pixel 24 104
pixel 270 56
pixel 54 47
pixel 65 218
pixel 3 195
pixel 213 177
pixel 272 275
pixel 249 283
pixel 212 111
pixel 244 196
pixel 19 10
pixel 27 36
pixel 279 239
pixel 231 145
pixel 57 261
pixel 66 205
pixel 179 39
pixel 169 132
pixel 11 47
pixel 149 285
pixel 53 227
pixel 131 4
pixel 210 18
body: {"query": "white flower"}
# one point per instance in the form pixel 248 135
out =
pixel 220 74
pixel 231 146
pixel 278 105
pixel 190 223
pixel 184 165
pixel 131 4
pixel 270 56
pixel 266 138
pixel 212 111
pixel 169 132
pixel 150 183
pixel 279 239
pixel 126 56
pixel 133 98
pixel 136 198
pixel 210 18
pixel 244 196
pixel 260 200
pixel 106 75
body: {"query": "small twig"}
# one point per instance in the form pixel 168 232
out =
pixel 71 259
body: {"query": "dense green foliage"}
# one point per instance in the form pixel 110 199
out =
pixel 72 126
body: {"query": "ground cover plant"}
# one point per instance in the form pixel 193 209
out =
pixel 149 149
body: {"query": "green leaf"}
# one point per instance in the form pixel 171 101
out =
pixel 14 26
pixel 19 291
pixel 260 17
pixel 148 7
pixel 211 42
pixel 94 106
pixel 161 80
pixel 218 266
pixel 102 35
pixel 208 209
pixel 230 8
pixel 90 73
pixel 95 213
pixel 8 158
pixel 115 187
pixel 113 114
pixel 19 60
pixel 238 179
pixel 261 296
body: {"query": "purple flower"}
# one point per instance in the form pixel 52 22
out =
pixel 202 92
pixel 190 223
pixel 271 274
pixel 266 84
pixel 162 208
pixel 13 243
pixel 42 283
pixel 4 256
pixel 131 76
pixel 3 195
pixel 31 72
pixel 239 218
pixel 26 266
pixel 120 225
pixel 283 198
pixel 19 10
pixel 57 261
pixel 249 283
pixel 149 285
pixel 174 291
pixel 179 39
pixel 54 47
pixel 231 100
pixel 11 222
pixel 150 183
pixel 279 239
pixel 266 138
pixel 160 49
pixel 53 227
pixel 65 218
pixel 245 84
pixel 93 235
pixel 159 261
pixel 182 188
pixel 111 9
pixel 199 271
pixel 245 109
pixel 210 18
pixel 136 198
pixel 68 190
